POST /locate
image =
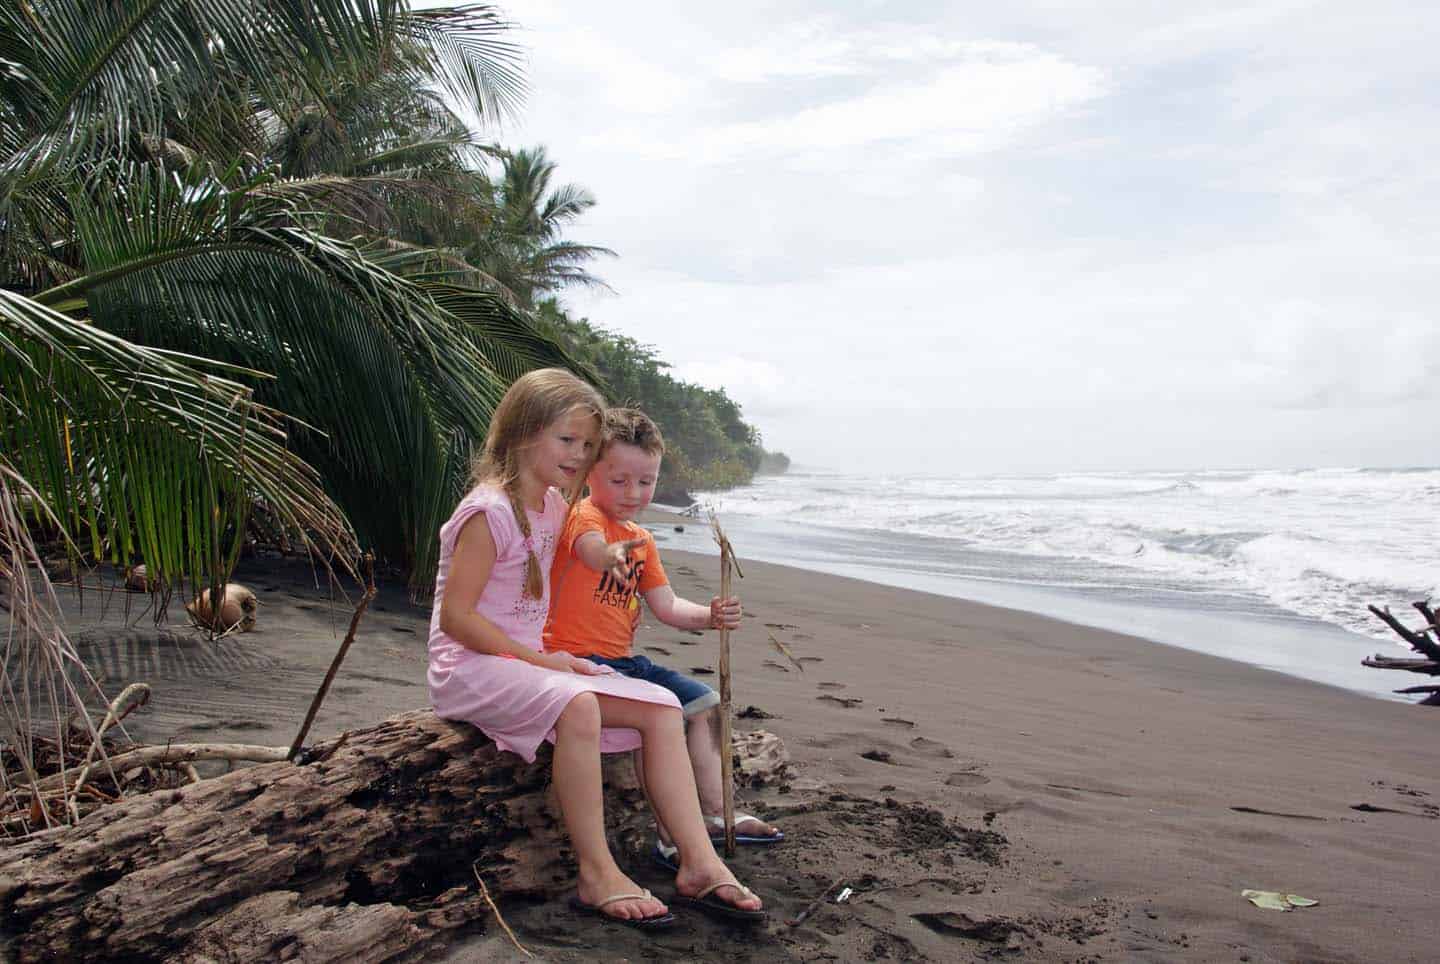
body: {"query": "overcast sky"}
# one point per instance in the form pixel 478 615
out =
pixel 1032 236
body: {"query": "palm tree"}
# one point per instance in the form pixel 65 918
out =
pixel 524 249
pixel 231 287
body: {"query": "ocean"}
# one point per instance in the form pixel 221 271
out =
pixel 1275 568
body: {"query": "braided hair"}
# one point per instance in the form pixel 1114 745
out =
pixel 536 400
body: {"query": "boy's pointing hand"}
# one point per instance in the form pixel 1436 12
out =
pixel 617 557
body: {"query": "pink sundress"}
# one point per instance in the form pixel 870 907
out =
pixel 511 701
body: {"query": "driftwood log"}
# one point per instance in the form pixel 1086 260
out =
pixel 1428 661
pixel 365 855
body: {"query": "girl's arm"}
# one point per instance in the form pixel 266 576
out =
pixel 470 568
pixel 671 610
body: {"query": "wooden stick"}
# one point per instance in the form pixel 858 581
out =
pixel 727 750
pixel 799 918
pixel 485 892
pixel 369 567
pixel 170 754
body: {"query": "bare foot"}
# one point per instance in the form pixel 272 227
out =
pixel 745 826
pixel 693 879
pixel 592 890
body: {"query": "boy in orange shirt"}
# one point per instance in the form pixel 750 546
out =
pixel 604 560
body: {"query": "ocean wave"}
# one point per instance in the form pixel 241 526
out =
pixel 1322 543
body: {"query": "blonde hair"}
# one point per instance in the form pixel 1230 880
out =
pixel 535 401
pixel 633 427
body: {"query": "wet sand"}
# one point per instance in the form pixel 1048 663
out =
pixel 990 783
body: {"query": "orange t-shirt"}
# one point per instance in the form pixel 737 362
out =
pixel 591 613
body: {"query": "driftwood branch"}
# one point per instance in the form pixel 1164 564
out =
pixel 368 855
pixel 1417 640
pixel 170 755
pixel 360 607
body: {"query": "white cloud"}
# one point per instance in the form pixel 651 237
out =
pixel 1084 231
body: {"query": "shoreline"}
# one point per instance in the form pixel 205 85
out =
pixel 1137 788
pixel 1266 638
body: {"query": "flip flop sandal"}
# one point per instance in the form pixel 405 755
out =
pixel 707 903
pixel 654 922
pixel 716 826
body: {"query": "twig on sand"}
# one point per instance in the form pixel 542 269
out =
pixel 369 569
pixel 785 651
pixel 727 752
pixel 485 892
pixel 799 918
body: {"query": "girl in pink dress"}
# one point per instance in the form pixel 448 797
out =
pixel 487 666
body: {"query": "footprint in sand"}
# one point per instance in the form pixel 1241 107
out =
pixel 657 649
pixel 829 686
pixel 702 671
pixel 898 721
pixel 931 748
pixel 803 636
pixel 774 665
pixel 402 629
pixel 781 626
pixel 848 702
pixel 810 659
pixel 879 756
pixel 968 779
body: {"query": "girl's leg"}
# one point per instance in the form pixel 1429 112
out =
pixel 671 786
pixel 578 786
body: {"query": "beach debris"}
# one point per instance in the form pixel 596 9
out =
pixel 760 758
pixel 753 712
pixel 1275 900
pixel 368 568
pixel 809 909
pixel 784 651
pixel 992 930
pixel 1276 813
pixel 843 896
pixel 238 607
pixel 137 579
pixel 931 748
pixel 1428 649
pixel 485 892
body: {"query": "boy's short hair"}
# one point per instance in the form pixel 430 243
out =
pixel 633 427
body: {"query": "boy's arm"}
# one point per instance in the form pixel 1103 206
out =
pixel 599 555
pixel 671 610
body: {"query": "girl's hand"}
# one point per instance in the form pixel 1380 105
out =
pixel 570 663
pixel 724 613
pixel 617 558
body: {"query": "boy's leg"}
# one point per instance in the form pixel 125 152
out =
pixel 701 706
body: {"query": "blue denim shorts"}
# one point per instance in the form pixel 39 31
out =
pixel 695 696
